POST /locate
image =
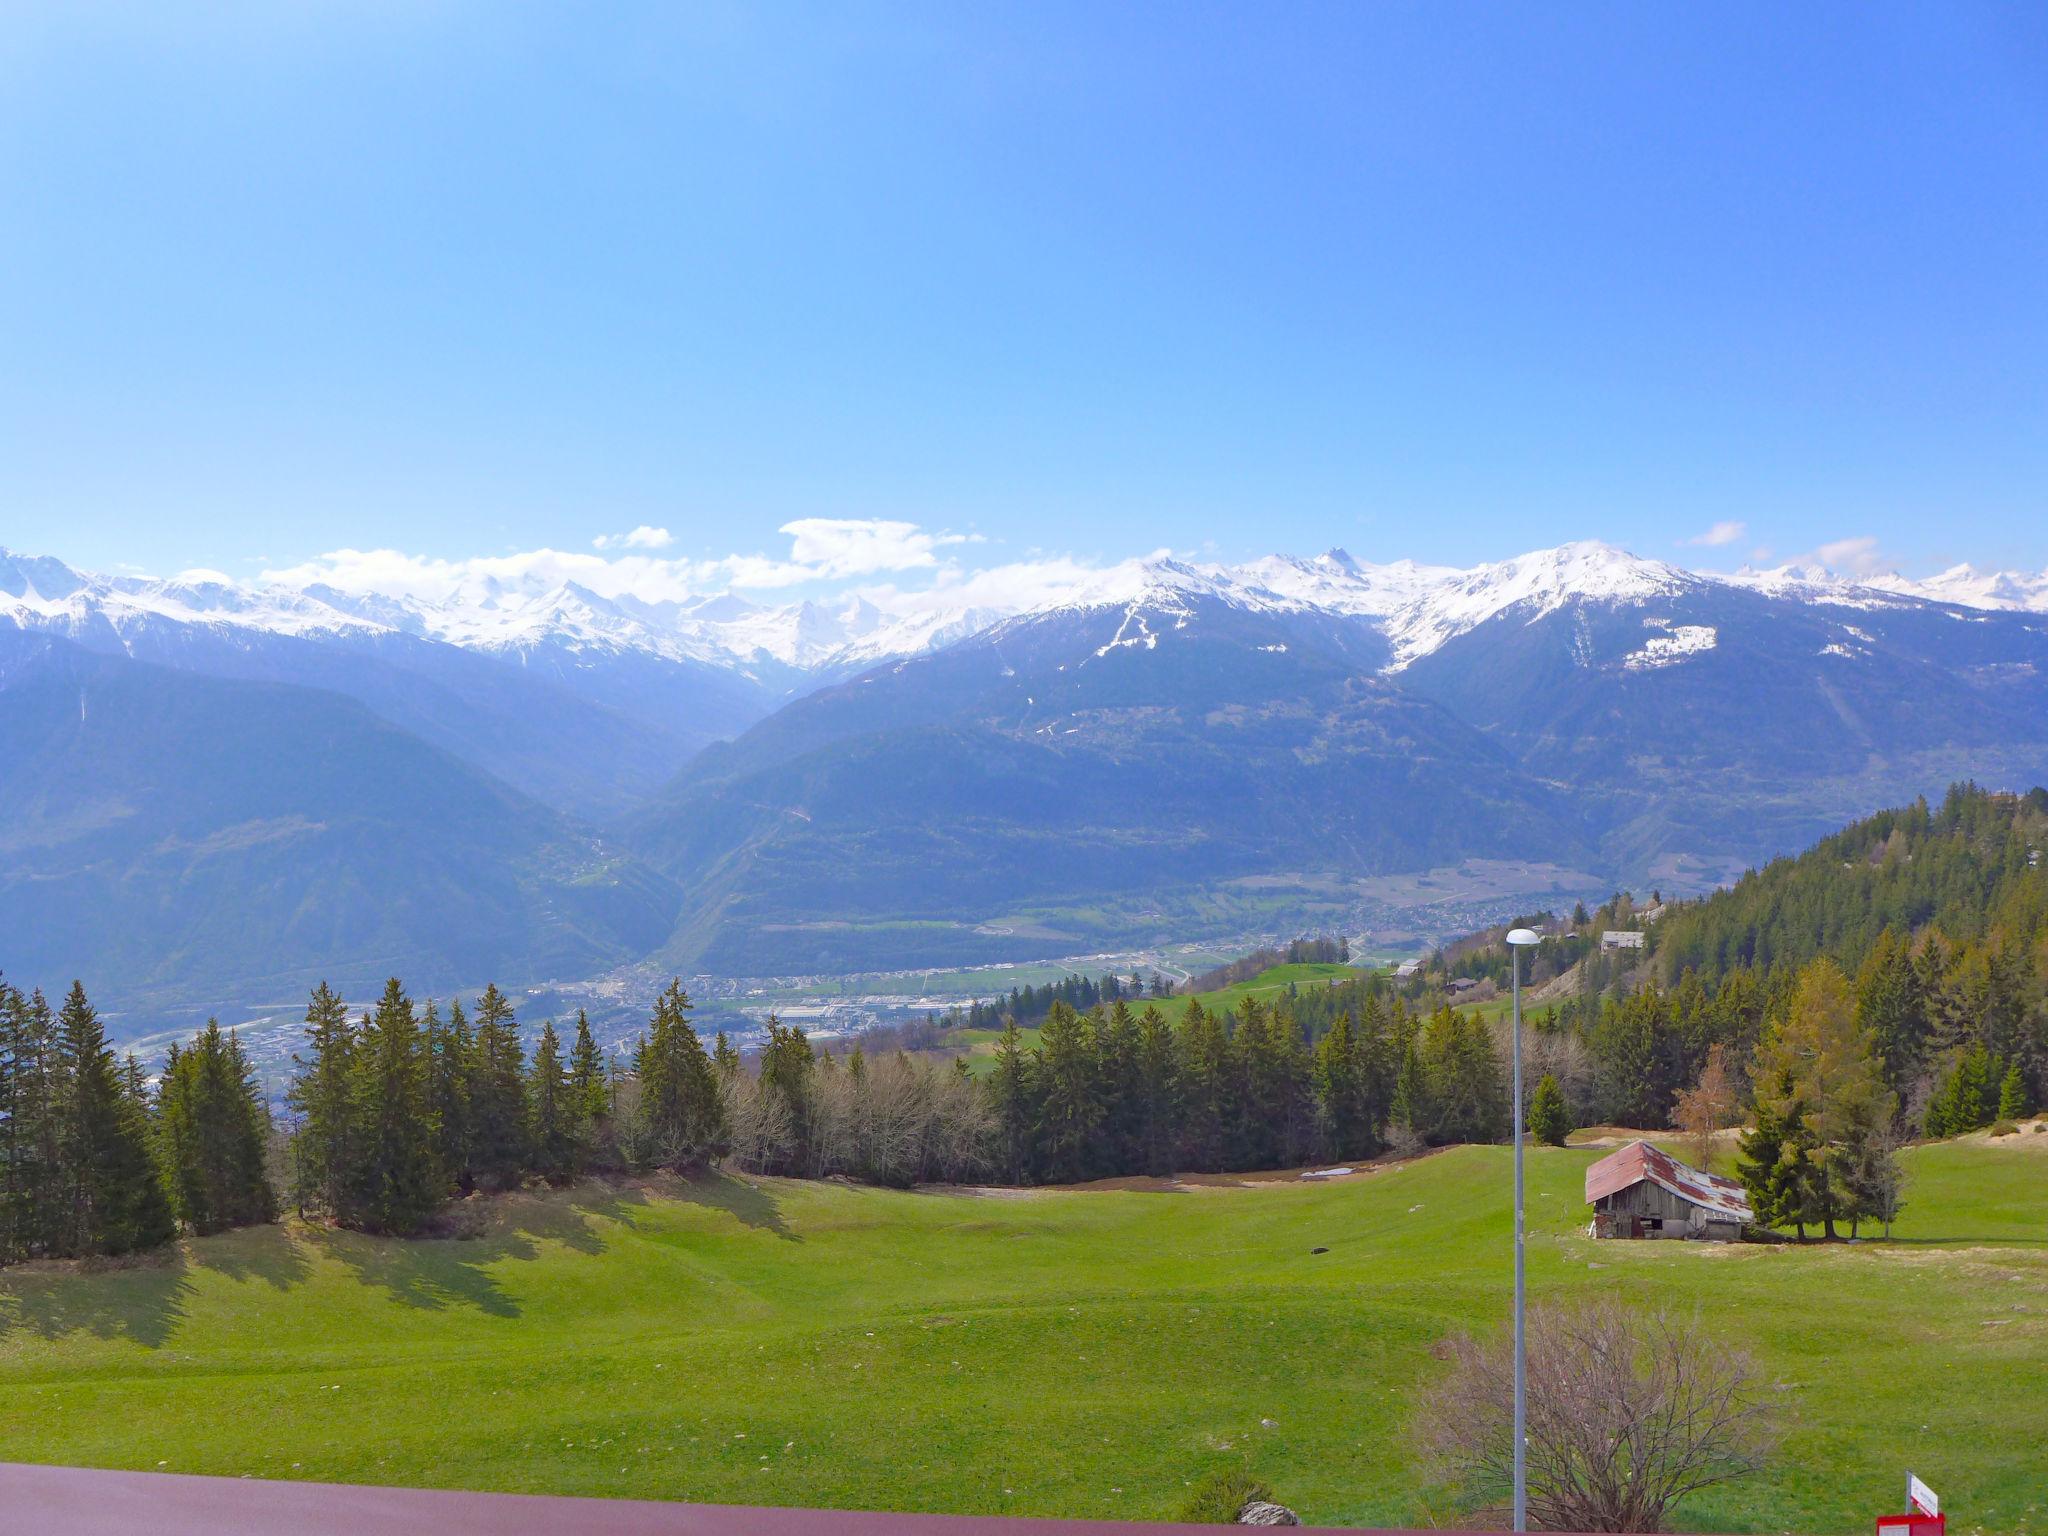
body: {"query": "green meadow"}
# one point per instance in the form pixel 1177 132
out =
pixel 1060 1352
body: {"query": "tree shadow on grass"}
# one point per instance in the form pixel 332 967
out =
pixel 431 1275
pixel 455 1264
pixel 747 1202
pixel 143 1297
pixel 270 1254
pixel 140 1298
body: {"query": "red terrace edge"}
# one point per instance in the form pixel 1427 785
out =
pixel 75 1501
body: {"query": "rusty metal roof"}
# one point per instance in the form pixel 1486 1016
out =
pixel 73 1501
pixel 1639 1161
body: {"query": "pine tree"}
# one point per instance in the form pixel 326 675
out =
pixel 1013 1096
pixel 497 1093
pixel 1889 1005
pixel 1766 1165
pixel 31 1176
pixel 591 1084
pixel 1550 1118
pixel 1341 1092
pixel 323 1096
pixel 556 1134
pixel 213 1135
pixel 681 1112
pixel 786 1075
pixel 395 1181
pixel 1116 1042
pixel 1818 1076
pixel 2012 1094
pixel 1205 1073
pixel 1154 1098
pixel 1964 1101
pixel 115 1200
pixel 451 1066
pixel 1070 1103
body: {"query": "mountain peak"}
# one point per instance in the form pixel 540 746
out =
pixel 1538 583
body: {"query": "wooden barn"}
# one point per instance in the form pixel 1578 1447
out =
pixel 1641 1192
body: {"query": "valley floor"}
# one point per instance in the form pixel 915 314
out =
pixel 1066 1352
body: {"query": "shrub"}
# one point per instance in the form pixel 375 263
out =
pixel 1216 1498
pixel 2005 1128
pixel 1628 1413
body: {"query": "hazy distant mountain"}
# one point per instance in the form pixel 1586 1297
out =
pixel 183 838
pixel 1167 731
pixel 888 778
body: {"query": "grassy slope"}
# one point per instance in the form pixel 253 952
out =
pixel 1272 983
pixel 1079 1353
pixel 979 1045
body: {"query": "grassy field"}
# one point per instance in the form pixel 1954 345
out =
pixel 1271 984
pixel 1062 1352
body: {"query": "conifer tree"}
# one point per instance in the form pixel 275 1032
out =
pixel 786 1076
pixel 1550 1118
pixel 1012 1089
pixel 556 1136
pixel 1115 1042
pixel 591 1084
pixel 1155 1116
pixel 1205 1074
pixel 31 1176
pixel 497 1092
pixel 451 1065
pixel 1341 1104
pixel 1889 1005
pixel 323 1096
pixel 114 1200
pixel 681 1112
pixel 213 1135
pixel 2012 1094
pixel 1963 1102
pixel 395 1181
pixel 1070 1102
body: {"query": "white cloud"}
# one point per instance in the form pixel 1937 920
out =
pixel 821 550
pixel 1720 534
pixel 643 537
pixel 863 546
pixel 1850 557
pixel 200 575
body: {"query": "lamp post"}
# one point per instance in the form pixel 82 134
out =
pixel 1520 939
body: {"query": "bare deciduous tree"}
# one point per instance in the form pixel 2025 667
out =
pixel 1707 1108
pixel 1628 1413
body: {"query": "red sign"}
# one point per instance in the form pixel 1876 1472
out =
pixel 1912 1524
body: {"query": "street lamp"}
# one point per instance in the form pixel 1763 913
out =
pixel 1520 939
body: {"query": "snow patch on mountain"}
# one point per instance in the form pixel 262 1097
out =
pixel 1678 643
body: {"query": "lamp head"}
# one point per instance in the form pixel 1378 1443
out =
pixel 1522 936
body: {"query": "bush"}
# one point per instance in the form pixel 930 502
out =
pixel 2005 1128
pixel 1628 1413
pixel 1218 1496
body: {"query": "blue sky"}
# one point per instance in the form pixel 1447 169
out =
pixel 1430 280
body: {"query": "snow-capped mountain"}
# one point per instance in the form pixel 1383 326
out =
pixel 1968 587
pixel 883 777
pixel 1417 607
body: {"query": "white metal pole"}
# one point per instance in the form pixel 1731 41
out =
pixel 1521 1355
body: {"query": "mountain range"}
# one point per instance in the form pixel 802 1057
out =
pixel 219 788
